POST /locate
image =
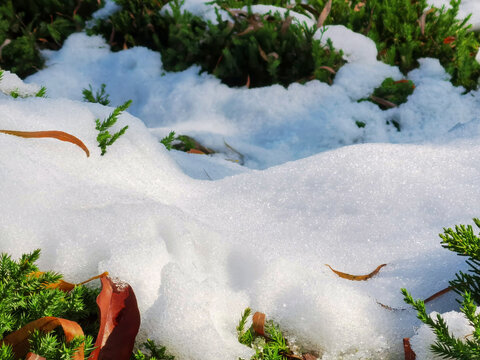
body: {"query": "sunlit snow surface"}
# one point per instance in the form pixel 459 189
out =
pixel 196 251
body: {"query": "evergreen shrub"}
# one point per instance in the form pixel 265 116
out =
pixel 403 31
pixel 25 297
pixel 26 26
pixel 248 49
pixel 464 242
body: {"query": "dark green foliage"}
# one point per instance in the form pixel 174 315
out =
pixel 249 49
pixel 156 352
pixel 24 298
pixel 464 242
pixel 104 138
pixel 395 92
pixel 272 347
pixel 100 96
pixel 168 140
pixel 53 345
pixel 395 27
pixel 29 25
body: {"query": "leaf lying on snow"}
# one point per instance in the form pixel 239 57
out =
pixel 19 339
pixel 119 321
pixel 357 277
pixel 60 135
pixel 64 285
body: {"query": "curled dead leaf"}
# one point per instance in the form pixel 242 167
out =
pixel 328 68
pixel 258 323
pixel 437 294
pixel 19 339
pixel 449 39
pixel 324 14
pixel 383 102
pixel 59 135
pixel 262 53
pixel 358 6
pixel 196 151
pixel 64 285
pixel 422 20
pixel 357 277
pixel 119 321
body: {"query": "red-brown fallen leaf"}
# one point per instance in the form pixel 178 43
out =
pixel 19 339
pixel 359 6
pixel 324 14
pixel 309 357
pixel 449 39
pixel 60 135
pixel 32 356
pixel 258 323
pixel 64 285
pixel 248 82
pixel 404 81
pixel 357 277
pixel 407 349
pixel 196 151
pixel 119 321
pixel 437 294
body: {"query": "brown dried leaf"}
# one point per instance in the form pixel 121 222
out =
pixel 119 321
pixel 358 6
pixel 437 294
pixel 357 277
pixel 64 285
pixel 262 53
pixel 422 20
pixel 324 14
pixel 309 357
pixel 32 356
pixel 409 354
pixel 259 323
pixel 60 135
pixel 249 29
pixel 328 68
pixel 248 82
pixel 19 339
pixel 383 102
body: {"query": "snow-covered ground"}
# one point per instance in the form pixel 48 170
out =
pixel 201 237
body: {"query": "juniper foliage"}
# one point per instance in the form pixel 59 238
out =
pixel 253 49
pixel 155 352
pixel 104 138
pixel 272 347
pixel 100 96
pixel 24 297
pixel 464 242
pixel 29 25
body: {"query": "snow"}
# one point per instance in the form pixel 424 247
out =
pixel 200 237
